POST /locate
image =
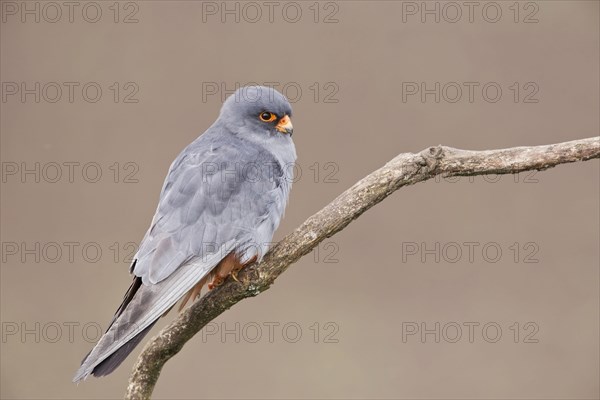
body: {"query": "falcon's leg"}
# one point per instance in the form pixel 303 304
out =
pixel 239 267
pixel 222 270
pixel 230 265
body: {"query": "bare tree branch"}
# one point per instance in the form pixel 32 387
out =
pixel 405 169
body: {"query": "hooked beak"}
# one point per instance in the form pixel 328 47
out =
pixel 285 125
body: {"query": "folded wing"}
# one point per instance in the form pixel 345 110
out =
pixel 207 209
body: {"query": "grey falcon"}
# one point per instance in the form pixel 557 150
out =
pixel 221 202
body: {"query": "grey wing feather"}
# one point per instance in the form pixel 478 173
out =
pixel 204 213
pixel 197 210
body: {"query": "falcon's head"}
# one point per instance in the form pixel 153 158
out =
pixel 258 111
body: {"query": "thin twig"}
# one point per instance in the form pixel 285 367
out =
pixel 405 169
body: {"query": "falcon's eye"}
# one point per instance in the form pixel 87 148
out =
pixel 267 117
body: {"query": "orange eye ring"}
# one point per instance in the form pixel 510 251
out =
pixel 267 116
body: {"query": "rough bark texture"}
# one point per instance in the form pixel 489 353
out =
pixel 405 169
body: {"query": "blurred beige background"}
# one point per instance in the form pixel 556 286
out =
pixel 346 320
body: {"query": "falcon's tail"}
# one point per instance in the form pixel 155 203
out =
pixel 142 306
pixel 111 363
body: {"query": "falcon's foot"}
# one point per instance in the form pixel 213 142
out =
pixel 222 270
pixel 230 265
pixel 239 267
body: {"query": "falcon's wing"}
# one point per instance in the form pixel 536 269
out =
pixel 206 209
